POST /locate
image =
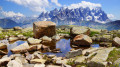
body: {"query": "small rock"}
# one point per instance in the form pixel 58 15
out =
pixel 35 61
pixel 2 52
pixel 39 65
pixel 74 53
pixel 3 46
pixel 17 28
pixel 56 37
pixel 116 41
pixel 4 61
pixel 32 48
pixel 45 38
pixel 105 44
pixel 13 38
pixel 33 41
pixel 14 63
pixel 21 48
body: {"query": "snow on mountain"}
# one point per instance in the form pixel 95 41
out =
pixel 68 15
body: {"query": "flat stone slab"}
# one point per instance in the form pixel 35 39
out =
pixel 74 53
pixel 100 58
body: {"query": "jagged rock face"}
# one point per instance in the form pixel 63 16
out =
pixel 66 15
pixel 43 28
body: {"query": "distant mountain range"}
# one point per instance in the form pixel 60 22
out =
pixel 64 16
pixel 71 16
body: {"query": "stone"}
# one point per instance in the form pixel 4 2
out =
pixel 28 65
pixel 2 52
pixel 21 60
pixel 33 41
pixel 106 38
pixel 82 40
pixel 99 60
pixel 80 60
pixel 79 30
pixel 14 63
pixel 116 41
pixel 32 48
pixel 17 28
pixel 95 30
pixel 53 66
pixel 74 53
pixel 21 48
pixel 117 62
pixel 35 61
pixel 105 44
pixel 4 61
pixel 56 37
pixel 39 65
pixel 43 28
pixel 3 46
pixel 21 37
pixel 46 38
pixel 37 55
pixel 13 38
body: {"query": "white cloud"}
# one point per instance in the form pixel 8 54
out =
pixel 34 5
pixel 56 2
pixel 11 14
pixel 84 4
pixel 111 16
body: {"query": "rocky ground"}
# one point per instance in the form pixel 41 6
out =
pixel 107 55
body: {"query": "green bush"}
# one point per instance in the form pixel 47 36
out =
pixel 93 33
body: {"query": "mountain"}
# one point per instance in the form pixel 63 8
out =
pixel 66 16
pixel 8 23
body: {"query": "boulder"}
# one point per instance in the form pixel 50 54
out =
pixel 21 48
pixel 17 28
pixel 13 38
pixel 3 46
pixel 21 37
pixel 43 28
pixel 79 30
pixel 35 61
pixel 21 59
pixel 74 53
pixel 28 65
pixel 33 41
pixel 46 38
pixel 82 40
pixel 80 60
pixel 116 41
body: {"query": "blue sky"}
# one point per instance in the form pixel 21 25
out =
pixel 35 7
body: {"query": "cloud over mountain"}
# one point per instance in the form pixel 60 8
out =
pixel 84 4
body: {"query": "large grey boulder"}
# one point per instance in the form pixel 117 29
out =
pixel 21 48
pixel 82 39
pixel 116 41
pixel 74 53
pixel 79 30
pixel 33 41
pixel 43 28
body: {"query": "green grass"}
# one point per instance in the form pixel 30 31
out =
pixel 15 33
pixel 113 56
pixel 93 33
